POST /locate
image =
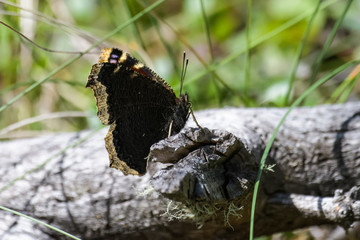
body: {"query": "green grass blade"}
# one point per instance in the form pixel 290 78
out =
pixel 207 29
pixel 213 75
pixel 269 144
pixel 328 42
pixel 299 53
pixel 169 48
pixel 345 88
pixel 248 48
pixel 347 91
pixel 130 8
pixel 39 222
pixel 37 83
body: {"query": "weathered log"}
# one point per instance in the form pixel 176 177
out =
pixel 211 172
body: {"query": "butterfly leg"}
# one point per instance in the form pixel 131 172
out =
pixel 170 126
pixel 192 113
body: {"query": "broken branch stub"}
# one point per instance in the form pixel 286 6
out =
pixel 203 165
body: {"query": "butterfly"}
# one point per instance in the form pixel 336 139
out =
pixel 140 107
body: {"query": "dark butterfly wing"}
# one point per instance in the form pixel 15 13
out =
pixel 140 107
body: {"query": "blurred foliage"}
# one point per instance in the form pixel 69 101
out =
pixel 159 39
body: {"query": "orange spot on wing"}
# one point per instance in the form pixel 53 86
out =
pixel 143 71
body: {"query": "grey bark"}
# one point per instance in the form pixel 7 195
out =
pixel 211 172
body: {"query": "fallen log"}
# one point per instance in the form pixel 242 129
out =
pixel 199 178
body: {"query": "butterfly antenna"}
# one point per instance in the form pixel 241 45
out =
pixel 183 71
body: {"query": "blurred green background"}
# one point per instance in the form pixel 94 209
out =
pixel 213 33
